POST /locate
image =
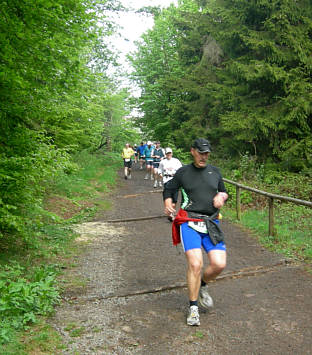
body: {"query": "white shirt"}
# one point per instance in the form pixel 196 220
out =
pixel 168 167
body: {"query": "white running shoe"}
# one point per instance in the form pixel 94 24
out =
pixel 152 177
pixel 204 298
pixel 155 183
pixel 160 184
pixel 193 316
pixel 146 177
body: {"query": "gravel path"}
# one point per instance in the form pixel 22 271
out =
pixel 134 297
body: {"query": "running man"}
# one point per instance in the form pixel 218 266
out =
pixel 140 150
pixel 167 169
pixel 196 225
pixel 127 154
pixel 147 154
pixel 158 155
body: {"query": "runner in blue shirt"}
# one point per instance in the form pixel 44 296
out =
pixel 140 150
pixel 147 154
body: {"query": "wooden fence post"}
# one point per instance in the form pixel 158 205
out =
pixel 271 216
pixel 238 206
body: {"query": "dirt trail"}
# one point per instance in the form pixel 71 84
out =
pixel 134 300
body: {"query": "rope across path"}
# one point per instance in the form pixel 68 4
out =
pixel 251 271
pixel 135 219
pixel 140 194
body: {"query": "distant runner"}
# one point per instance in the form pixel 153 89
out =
pixel 158 155
pixel 135 148
pixel 127 154
pixel 140 151
pixel 167 169
pixel 196 225
pixel 147 154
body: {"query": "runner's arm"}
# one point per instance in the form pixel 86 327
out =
pixel 161 169
pixel 222 195
pixel 170 188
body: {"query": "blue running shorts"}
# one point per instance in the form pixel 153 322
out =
pixel 191 239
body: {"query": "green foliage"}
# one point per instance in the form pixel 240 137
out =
pixel 245 196
pixel 56 99
pixel 156 67
pixel 23 299
pixel 90 167
pixel 120 128
pixel 22 181
pixel 238 72
pixel 184 157
pixel 48 69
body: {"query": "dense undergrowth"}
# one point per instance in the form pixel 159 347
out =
pixel 31 267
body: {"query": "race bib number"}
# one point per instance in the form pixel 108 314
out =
pixel 198 226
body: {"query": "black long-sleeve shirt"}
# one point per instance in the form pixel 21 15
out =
pixel 199 187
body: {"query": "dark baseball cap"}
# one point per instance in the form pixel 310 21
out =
pixel 202 145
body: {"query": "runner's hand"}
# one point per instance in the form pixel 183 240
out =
pixel 169 211
pixel 219 199
pixel 169 207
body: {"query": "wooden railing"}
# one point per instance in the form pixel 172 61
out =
pixel 270 197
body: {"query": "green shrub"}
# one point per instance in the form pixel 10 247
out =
pixel 23 181
pixel 245 196
pixel 23 298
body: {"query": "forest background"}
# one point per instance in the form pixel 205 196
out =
pixel 237 72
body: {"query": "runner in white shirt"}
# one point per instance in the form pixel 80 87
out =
pixel 167 169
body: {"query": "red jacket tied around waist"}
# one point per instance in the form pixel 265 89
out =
pixel 179 219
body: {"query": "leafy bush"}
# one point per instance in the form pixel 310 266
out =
pixel 245 196
pixel 23 181
pixel 184 157
pixel 23 297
